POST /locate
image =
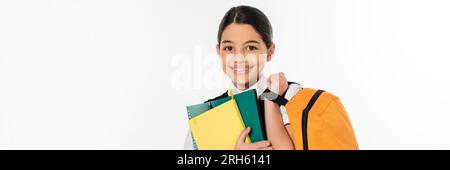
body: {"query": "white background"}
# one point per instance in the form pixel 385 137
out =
pixel 109 74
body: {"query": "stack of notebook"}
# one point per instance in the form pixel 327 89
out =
pixel 217 124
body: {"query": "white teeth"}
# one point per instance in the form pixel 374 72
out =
pixel 240 70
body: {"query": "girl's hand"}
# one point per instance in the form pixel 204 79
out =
pixel 241 145
pixel 277 83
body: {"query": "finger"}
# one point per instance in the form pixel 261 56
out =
pixel 275 77
pixel 266 148
pixel 261 144
pixel 243 135
pixel 269 83
pixel 278 78
pixel 282 75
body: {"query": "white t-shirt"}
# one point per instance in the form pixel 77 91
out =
pixel 259 86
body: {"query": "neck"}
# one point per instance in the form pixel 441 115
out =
pixel 244 86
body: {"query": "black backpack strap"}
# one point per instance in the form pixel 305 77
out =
pixel 305 117
pixel 279 99
pixel 218 97
pixel 291 82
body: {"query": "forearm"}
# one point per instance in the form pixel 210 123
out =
pixel 276 132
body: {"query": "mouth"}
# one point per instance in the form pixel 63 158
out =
pixel 241 70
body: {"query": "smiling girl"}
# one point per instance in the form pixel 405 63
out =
pixel 244 47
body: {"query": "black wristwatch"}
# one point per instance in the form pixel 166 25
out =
pixel 272 96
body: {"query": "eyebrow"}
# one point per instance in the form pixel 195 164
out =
pixel 249 41
pixel 227 41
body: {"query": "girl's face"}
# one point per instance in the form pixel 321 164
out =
pixel 243 54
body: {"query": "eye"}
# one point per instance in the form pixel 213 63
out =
pixel 251 48
pixel 228 48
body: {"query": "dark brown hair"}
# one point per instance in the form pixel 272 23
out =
pixel 248 15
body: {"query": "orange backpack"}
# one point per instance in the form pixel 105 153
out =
pixel 319 122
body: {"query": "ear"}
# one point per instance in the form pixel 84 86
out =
pixel 270 52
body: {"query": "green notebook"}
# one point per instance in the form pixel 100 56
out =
pixel 248 106
pixel 198 109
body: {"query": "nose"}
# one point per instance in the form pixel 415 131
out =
pixel 239 58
